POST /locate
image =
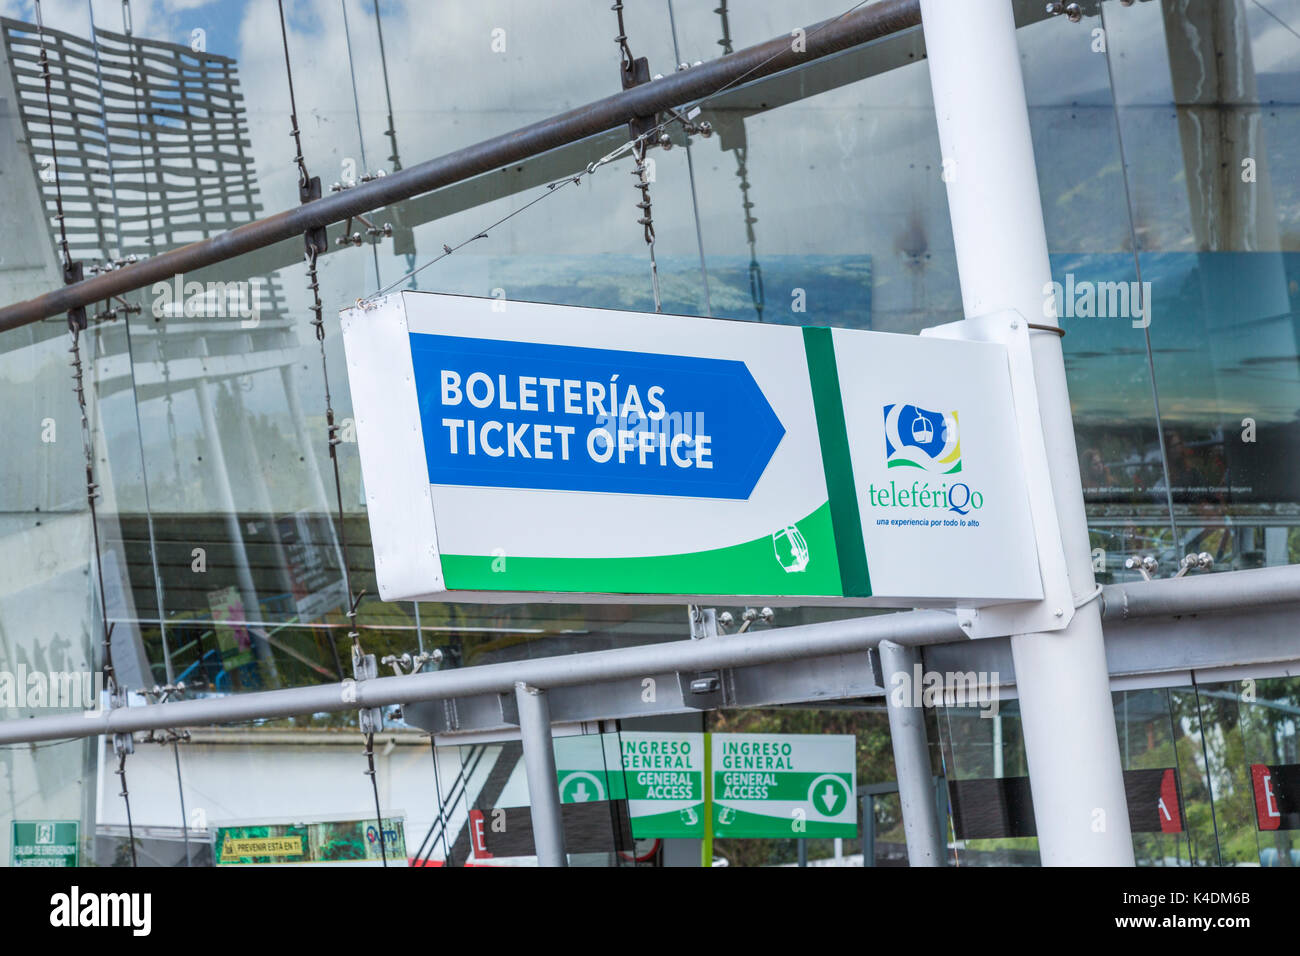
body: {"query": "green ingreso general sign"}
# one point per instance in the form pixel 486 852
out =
pixel 512 450
pixel 747 785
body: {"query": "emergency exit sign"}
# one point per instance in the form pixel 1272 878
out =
pixel 44 843
pixel 513 451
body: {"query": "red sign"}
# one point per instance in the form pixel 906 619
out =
pixel 477 834
pixel 1268 810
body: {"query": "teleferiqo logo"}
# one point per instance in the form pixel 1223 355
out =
pixel 916 437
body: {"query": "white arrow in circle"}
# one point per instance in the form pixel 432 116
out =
pixel 580 787
pixel 830 797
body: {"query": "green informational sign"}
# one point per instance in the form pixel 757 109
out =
pixel 784 785
pixel 355 841
pixel 661 775
pixel 44 843
pixel 762 785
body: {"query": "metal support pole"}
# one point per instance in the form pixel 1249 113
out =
pixel 675 89
pixel 997 223
pixel 901 667
pixel 940 789
pixel 539 765
pixel 869 830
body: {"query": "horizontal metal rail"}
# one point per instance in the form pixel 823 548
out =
pixel 1202 594
pixel 674 90
pixel 765 647
pixel 1161 598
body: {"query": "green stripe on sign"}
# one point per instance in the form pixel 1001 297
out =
pixel 845 518
pixel 741 823
pixel 757 567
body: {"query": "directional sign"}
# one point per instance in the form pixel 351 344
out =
pixel 784 785
pixel 661 775
pixel 512 450
pixel 581 787
pixel 44 843
pixel 763 785
pixel 523 415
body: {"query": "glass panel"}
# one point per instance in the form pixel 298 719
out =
pixel 1250 748
pixel 1269 710
pixel 1215 88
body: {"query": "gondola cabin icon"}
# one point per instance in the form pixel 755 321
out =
pixel 922 430
pixel 791 549
pixel 917 437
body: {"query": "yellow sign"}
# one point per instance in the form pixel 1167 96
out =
pixel 233 849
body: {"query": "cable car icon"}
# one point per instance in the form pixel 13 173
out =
pixel 791 549
pixel 922 429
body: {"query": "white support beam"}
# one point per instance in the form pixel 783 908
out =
pixel 1001 248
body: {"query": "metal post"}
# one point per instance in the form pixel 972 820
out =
pixel 869 830
pixel 941 815
pixel 1001 246
pixel 803 851
pixel 901 667
pixel 539 765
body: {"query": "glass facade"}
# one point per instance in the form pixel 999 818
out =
pixel 1164 133
pixel 1194 757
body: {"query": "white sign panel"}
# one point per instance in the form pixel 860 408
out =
pixel 516 451
pixel 936 460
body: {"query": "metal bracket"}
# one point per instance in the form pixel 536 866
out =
pixel 122 743
pixel 161 695
pixel 73 273
pixel 1202 562
pixel 1056 609
pixel 877 668
pixel 637 76
pixel 703 620
pixel 1144 564
pixel 403 235
pixel 314 238
pixel 704 690
pixel 509 705
pixel 446 719
pixel 366 667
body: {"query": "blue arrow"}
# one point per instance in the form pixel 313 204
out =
pixel 523 415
